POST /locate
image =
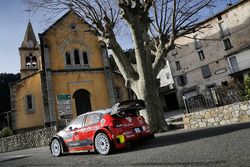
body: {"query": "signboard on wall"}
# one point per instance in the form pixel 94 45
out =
pixel 64 106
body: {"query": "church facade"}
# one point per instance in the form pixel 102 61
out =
pixel 66 75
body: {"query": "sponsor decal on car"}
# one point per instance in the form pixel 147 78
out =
pixel 128 132
pixel 79 143
pixel 102 122
pixel 129 136
pixel 89 129
pixel 121 138
pixel 67 136
pixel 129 119
pixel 140 120
pixel 126 125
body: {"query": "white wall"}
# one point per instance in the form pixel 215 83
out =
pixel 243 59
pixel 165 76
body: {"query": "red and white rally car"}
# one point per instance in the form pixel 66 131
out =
pixel 103 130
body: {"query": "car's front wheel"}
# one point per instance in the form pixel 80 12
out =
pixel 102 144
pixel 55 147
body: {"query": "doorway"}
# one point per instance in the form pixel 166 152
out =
pixel 171 101
pixel 82 101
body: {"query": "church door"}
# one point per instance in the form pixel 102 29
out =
pixel 82 101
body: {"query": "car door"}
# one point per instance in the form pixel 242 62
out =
pixel 72 133
pixel 90 126
pixel 81 136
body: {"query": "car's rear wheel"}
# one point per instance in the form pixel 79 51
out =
pixel 102 144
pixel 55 147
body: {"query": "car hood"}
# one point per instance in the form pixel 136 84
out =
pixel 129 105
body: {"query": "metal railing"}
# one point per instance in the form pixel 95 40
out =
pixel 213 98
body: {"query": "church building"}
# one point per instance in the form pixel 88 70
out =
pixel 66 75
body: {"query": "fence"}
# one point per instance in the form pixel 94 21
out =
pixel 215 97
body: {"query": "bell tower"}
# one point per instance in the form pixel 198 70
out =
pixel 29 52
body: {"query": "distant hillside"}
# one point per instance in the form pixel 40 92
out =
pixel 5 79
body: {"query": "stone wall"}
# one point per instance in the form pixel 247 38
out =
pixel 31 139
pixel 237 112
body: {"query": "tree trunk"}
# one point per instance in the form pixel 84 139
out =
pixel 145 86
pixel 153 114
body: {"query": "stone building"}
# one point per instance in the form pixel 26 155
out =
pixel 214 56
pixel 67 74
pixel 167 89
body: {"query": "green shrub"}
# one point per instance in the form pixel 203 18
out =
pixel 6 132
pixel 247 89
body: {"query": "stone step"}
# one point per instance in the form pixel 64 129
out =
pixel 176 126
pixel 175 118
pixel 176 123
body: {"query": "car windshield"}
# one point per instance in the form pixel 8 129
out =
pixel 75 123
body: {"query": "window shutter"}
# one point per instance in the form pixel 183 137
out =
pixel 181 80
pixel 234 64
pixel 227 43
pixel 206 71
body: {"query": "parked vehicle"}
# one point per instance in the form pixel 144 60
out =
pixel 103 130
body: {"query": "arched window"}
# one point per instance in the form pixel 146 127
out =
pixel 28 62
pixel 76 55
pixel 34 61
pixel 68 58
pixel 85 58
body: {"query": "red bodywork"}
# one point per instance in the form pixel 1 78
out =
pixel 121 127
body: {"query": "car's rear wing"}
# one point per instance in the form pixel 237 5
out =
pixel 128 106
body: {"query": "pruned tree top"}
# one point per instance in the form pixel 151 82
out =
pixel 163 20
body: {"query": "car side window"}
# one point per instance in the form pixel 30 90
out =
pixel 92 119
pixel 76 123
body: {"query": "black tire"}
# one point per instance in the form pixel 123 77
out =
pixel 102 144
pixel 55 148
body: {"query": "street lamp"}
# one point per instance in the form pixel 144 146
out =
pixel 8 120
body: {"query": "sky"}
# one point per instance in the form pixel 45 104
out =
pixel 14 20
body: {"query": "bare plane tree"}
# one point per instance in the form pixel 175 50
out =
pixel 154 25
